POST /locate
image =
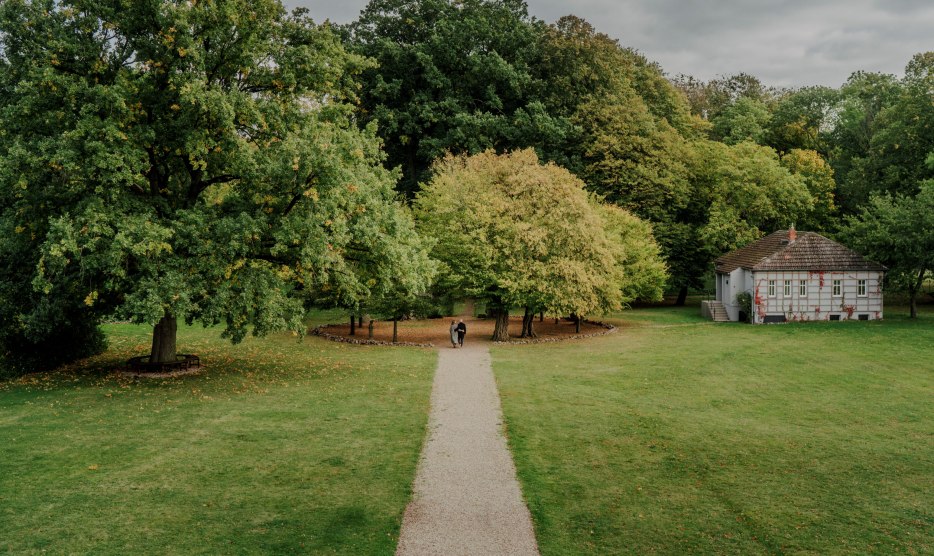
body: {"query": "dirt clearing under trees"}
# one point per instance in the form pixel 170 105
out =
pixel 436 331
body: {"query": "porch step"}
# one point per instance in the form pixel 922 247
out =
pixel 718 312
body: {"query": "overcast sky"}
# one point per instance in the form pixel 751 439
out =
pixel 782 42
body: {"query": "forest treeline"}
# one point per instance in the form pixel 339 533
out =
pixel 226 162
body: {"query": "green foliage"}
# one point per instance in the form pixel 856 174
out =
pixel 197 160
pixel 452 77
pixel 802 119
pixel 744 300
pixel 631 158
pixel 818 178
pixel 512 232
pixel 747 191
pixel 747 119
pixel 897 231
pixel 862 99
pixel 709 99
pixel 641 267
pixel 905 136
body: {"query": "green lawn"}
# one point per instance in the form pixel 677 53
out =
pixel 680 436
pixel 280 447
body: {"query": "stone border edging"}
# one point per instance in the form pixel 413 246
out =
pixel 609 329
pixel 320 331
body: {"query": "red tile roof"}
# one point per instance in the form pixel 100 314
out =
pixel 810 251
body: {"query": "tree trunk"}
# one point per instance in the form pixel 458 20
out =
pixel 360 321
pixel 501 330
pixel 371 329
pixel 163 340
pixel 913 290
pixel 541 317
pixel 527 320
pixel 682 296
pixel 395 330
pixel 577 324
pixel 353 324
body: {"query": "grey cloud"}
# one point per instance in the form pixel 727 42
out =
pixel 784 43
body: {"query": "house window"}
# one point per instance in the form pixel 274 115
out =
pixel 786 292
pixel 802 288
pixel 861 288
pixel 837 288
pixel 771 288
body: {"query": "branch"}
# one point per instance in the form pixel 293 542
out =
pixel 198 187
pixel 294 201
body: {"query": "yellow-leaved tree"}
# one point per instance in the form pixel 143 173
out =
pixel 512 232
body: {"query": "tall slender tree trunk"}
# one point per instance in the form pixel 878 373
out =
pixel 353 324
pixel 163 340
pixel 371 329
pixel 913 290
pixel 395 330
pixel 682 296
pixel 360 321
pixel 541 317
pixel 501 313
pixel 577 324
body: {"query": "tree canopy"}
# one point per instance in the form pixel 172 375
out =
pixel 194 161
pixel 898 231
pixel 512 232
pixel 450 77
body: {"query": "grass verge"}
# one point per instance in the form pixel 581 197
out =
pixel 680 436
pixel 280 446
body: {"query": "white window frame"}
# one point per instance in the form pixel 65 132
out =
pixel 786 289
pixel 802 288
pixel 771 288
pixel 837 288
pixel 861 288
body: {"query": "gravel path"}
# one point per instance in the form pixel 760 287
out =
pixel 467 498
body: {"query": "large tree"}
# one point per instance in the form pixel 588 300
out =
pixel 905 135
pixel 512 232
pixel 863 98
pixel 451 77
pixel 802 119
pixel 190 161
pixel 898 231
pixel 745 191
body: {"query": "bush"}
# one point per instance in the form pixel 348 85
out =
pixel 20 355
pixel 744 300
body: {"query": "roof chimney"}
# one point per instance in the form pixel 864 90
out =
pixel 792 234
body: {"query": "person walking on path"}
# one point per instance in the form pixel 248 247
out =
pixel 454 334
pixel 461 332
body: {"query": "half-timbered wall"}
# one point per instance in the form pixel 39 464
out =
pixel 820 301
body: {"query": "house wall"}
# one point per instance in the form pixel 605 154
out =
pixel 729 286
pixel 819 303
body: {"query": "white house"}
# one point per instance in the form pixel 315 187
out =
pixel 799 276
